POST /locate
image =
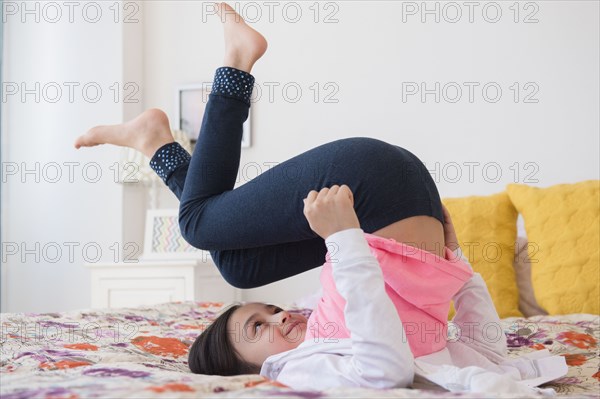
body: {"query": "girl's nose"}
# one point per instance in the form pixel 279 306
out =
pixel 282 317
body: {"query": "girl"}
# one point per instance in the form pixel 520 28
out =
pixel 377 221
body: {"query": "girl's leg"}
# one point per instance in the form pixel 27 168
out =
pixel 257 233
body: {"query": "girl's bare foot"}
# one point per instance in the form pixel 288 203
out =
pixel 150 130
pixel 243 45
pixel 146 133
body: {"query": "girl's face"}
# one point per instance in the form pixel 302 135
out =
pixel 258 330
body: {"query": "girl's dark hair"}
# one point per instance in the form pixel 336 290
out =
pixel 213 353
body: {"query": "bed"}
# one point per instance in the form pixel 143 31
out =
pixel 142 352
pixel 544 301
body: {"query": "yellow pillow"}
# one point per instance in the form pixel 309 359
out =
pixel 486 227
pixel 562 223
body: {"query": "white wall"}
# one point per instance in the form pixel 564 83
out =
pixel 3 275
pixel 366 55
pixel 51 210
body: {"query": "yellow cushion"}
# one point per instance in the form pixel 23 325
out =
pixel 562 222
pixel 486 227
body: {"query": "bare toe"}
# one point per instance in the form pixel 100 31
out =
pixel 146 133
pixel 90 139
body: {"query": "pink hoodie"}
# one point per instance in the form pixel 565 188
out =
pixel 419 283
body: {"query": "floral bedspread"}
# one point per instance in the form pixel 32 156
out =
pixel 142 353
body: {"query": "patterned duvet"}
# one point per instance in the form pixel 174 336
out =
pixel 142 353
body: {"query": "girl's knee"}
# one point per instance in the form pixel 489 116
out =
pixel 233 273
pixel 191 229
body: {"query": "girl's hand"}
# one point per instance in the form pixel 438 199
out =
pixel 330 210
pixel 449 232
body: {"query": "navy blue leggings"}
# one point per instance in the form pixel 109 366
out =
pixel 257 233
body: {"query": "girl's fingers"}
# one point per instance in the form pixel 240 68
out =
pixel 323 193
pixel 333 190
pixel 346 191
pixel 312 195
pixel 326 192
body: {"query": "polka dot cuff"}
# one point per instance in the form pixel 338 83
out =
pixel 233 83
pixel 168 158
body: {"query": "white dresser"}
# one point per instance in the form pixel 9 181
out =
pixel 149 282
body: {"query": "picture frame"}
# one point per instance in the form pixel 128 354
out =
pixel 190 103
pixel 163 239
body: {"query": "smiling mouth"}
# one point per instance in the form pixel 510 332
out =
pixel 289 329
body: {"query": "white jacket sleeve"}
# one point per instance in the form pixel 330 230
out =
pixel 477 319
pixel 381 357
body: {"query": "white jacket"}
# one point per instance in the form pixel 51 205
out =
pixel 376 356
